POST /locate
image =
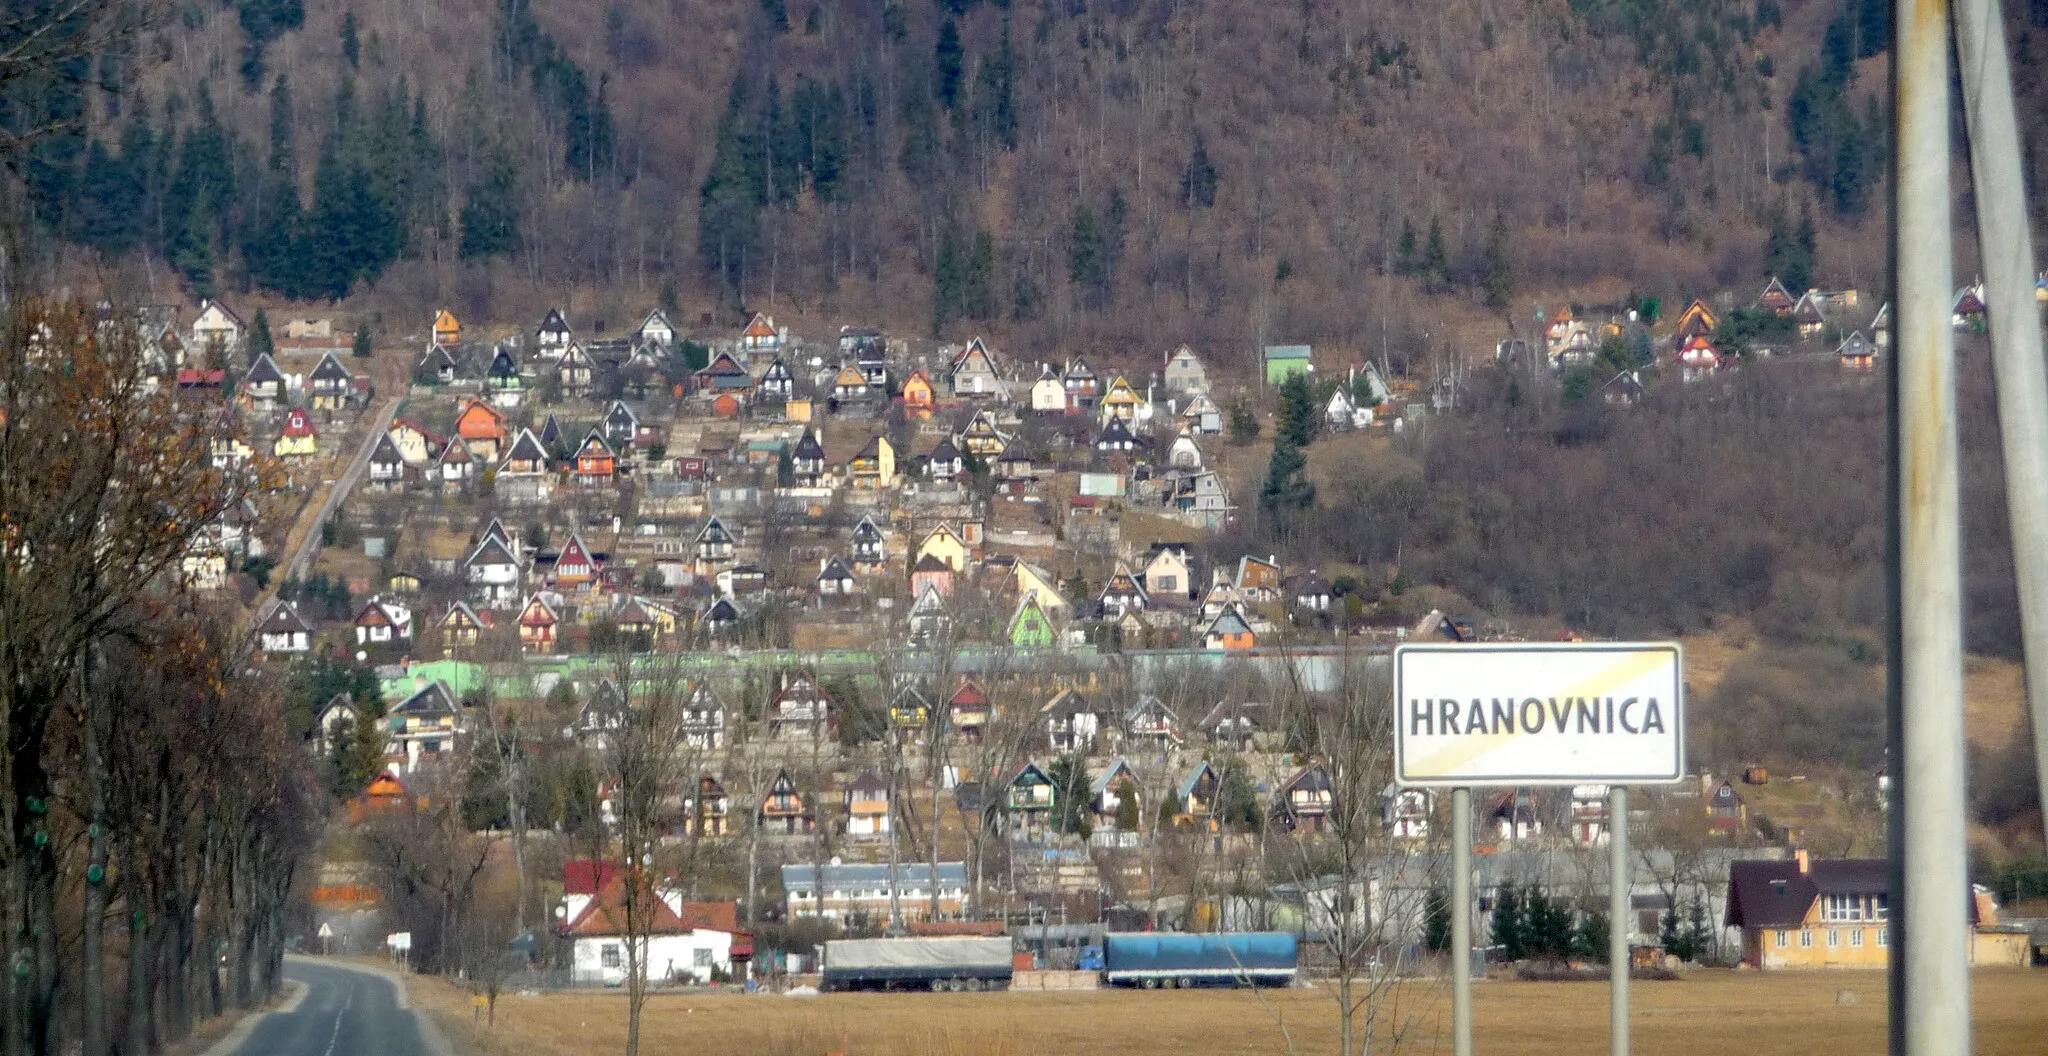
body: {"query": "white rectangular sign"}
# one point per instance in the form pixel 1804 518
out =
pixel 1539 714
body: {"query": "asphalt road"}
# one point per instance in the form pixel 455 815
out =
pixel 346 1012
pixel 302 561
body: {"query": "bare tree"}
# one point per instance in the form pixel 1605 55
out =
pixel 646 762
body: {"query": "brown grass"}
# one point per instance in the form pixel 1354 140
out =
pixel 1708 1014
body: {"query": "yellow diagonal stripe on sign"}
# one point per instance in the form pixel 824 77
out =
pixel 1448 760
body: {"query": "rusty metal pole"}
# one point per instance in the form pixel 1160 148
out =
pixel 2008 253
pixel 1930 991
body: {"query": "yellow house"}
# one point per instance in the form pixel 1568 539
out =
pixel 1029 579
pixel 946 545
pixel 1121 401
pixel 1835 913
pixel 297 438
pixel 875 466
pixel 447 328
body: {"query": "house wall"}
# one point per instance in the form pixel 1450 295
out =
pixel 688 957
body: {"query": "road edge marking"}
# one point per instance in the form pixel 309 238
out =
pixel 239 1035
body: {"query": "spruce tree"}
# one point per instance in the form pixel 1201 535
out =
pixel 1198 180
pixel 260 341
pixel 490 211
pixel 1436 263
pixel 351 47
pixel 1507 933
pixel 362 347
pixel 1436 919
pixel 946 64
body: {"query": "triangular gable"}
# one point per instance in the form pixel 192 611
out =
pixel 594 446
pixel 432 699
pixel 759 327
pixel 330 370
pixel 263 370
pixel 555 323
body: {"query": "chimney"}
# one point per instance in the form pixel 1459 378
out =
pixel 1800 857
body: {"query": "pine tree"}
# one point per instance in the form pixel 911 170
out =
pixel 362 347
pixel 995 95
pixel 1404 250
pixel 1297 418
pixel 1128 815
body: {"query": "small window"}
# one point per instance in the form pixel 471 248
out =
pixel 702 958
pixel 1856 937
pixel 608 956
pixel 1805 939
pixel 1884 936
pixel 1834 937
pixel 1784 939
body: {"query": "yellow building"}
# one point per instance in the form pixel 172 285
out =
pixel 946 545
pixel 1835 913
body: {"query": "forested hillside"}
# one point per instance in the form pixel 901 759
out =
pixel 1117 174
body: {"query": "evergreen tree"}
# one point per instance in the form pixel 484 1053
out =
pixel 727 220
pixel 978 295
pixel 1436 263
pixel 1243 423
pixel 1507 930
pixel 920 154
pixel 111 206
pixel 490 211
pixel 1128 814
pixel 1170 808
pixel 351 48
pixel 946 64
pixel 1287 488
pixel 1436 919
pixel 995 95
pixel 1297 419
pixel 1088 256
pixel 362 347
pixel 1591 938
pixel 260 341
pixel 1498 280
pixel 1404 250
pixel 949 278
pixel 1198 180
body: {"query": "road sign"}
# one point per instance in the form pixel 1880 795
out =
pixel 326 930
pixel 1520 714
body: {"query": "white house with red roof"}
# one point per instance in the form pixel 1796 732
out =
pixel 685 943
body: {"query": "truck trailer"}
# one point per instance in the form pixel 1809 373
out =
pixel 1154 959
pixel 940 964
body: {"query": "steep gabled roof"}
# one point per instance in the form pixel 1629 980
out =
pixel 760 326
pixel 503 364
pixel 432 699
pixel 263 369
pixel 491 551
pixel 834 570
pixel 386 451
pixel 527 448
pixel 605 915
pixel 330 370
pixel 866 531
pixel 284 618
pixel 554 323
pixel 594 446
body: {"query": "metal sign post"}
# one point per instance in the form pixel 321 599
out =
pixel 1461 922
pixel 1474 716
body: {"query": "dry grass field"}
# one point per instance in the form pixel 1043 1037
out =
pixel 1707 1014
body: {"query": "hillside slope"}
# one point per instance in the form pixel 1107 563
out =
pixel 1065 174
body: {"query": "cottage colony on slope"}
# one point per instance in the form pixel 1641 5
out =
pixel 559 495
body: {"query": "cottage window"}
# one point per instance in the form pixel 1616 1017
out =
pixel 701 957
pixel 1805 939
pixel 1856 937
pixel 608 955
pixel 1834 937
pixel 1784 939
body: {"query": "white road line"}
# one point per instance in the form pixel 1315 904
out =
pixel 338 1017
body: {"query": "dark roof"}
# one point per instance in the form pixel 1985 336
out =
pixel 330 369
pixel 503 365
pixel 550 431
pixel 809 448
pixel 835 571
pixel 1768 894
pixel 263 369
pixel 868 781
pixel 527 449
pixel 945 452
pixel 386 450
pixel 431 699
pixel 931 563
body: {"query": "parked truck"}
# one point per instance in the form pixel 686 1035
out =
pixel 1154 959
pixel 940 964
